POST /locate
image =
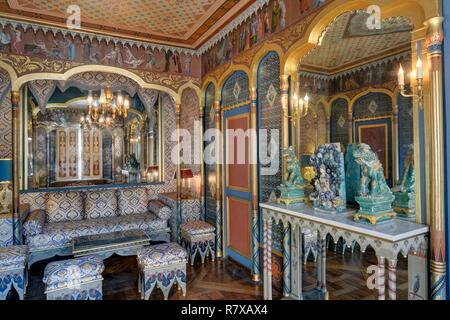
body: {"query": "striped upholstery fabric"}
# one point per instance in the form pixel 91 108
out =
pixel 101 204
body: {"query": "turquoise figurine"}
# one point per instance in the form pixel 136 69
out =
pixel 405 194
pixel 374 195
pixel 292 190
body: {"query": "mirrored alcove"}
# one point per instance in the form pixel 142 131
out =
pixel 84 134
pixel 348 88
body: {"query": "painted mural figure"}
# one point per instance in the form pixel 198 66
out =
pixel 275 16
pixel 282 14
pixel 5 40
pixel 113 57
pixel 242 39
pixel 151 61
pixel 187 65
pixel 254 31
pixel 16 44
pixel 248 37
pixel 168 56
pixel 266 22
pixel 177 62
pixel 131 60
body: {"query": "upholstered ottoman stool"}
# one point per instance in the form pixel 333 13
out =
pixel 161 265
pixel 75 279
pixel 198 236
pixel 13 260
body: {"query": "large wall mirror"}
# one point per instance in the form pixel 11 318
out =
pixel 86 137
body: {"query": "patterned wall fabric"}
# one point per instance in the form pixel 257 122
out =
pixel 405 128
pixel 210 170
pixel 338 122
pixel 190 113
pixel 5 115
pixel 372 105
pixel 132 201
pixel 236 89
pixel 107 155
pixel 269 109
pixel 101 204
pixel 313 130
pixel 64 206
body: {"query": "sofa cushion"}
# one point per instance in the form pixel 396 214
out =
pixel 64 206
pixel 61 274
pixel 161 254
pixel 132 201
pixel 13 257
pixel 160 209
pixel 34 223
pixel 57 235
pixel 101 204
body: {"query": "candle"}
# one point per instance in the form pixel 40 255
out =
pixel 401 76
pixel 419 66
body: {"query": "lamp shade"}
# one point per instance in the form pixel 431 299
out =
pixel 6 169
pixel 185 174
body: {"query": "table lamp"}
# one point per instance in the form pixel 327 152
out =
pixel 308 171
pixel 152 173
pixel 5 180
pixel 185 175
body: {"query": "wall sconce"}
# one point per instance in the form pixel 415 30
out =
pixel 419 86
pixel 300 107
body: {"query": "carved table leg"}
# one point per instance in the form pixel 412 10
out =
pixel 392 268
pixel 286 260
pixel 381 279
pixel 324 267
pixel 269 259
pixel 319 262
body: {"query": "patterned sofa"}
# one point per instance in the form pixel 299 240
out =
pixel 71 214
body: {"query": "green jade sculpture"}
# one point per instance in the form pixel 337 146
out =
pixel 292 190
pixel 374 195
pixel 404 192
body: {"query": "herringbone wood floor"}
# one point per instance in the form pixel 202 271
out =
pixel 226 280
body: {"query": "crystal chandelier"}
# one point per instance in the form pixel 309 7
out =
pixel 103 110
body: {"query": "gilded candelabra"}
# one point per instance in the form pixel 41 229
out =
pixel 419 86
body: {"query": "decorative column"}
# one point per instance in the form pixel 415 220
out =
pixel 202 165
pixel 267 256
pixel 177 121
pixel 286 259
pixel 284 84
pixel 350 124
pixel 381 282
pixel 392 276
pixel 296 263
pixel 255 206
pixel 434 40
pixel 15 100
pixel 219 248
pixel 395 145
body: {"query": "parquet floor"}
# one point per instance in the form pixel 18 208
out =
pixel 226 280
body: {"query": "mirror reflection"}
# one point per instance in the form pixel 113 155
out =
pixel 86 137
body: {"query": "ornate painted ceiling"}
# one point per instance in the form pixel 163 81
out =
pixel 187 23
pixel 348 42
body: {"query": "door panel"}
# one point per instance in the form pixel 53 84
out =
pixel 237 193
pixel 378 135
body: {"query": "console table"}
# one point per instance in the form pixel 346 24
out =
pixel 388 240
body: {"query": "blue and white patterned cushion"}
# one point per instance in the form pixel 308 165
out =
pixel 13 257
pixel 64 206
pixel 160 209
pixel 161 254
pixel 197 227
pixel 132 201
pixel 34 223
pixel 61 274
pixel 56 235
pixel 101 204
